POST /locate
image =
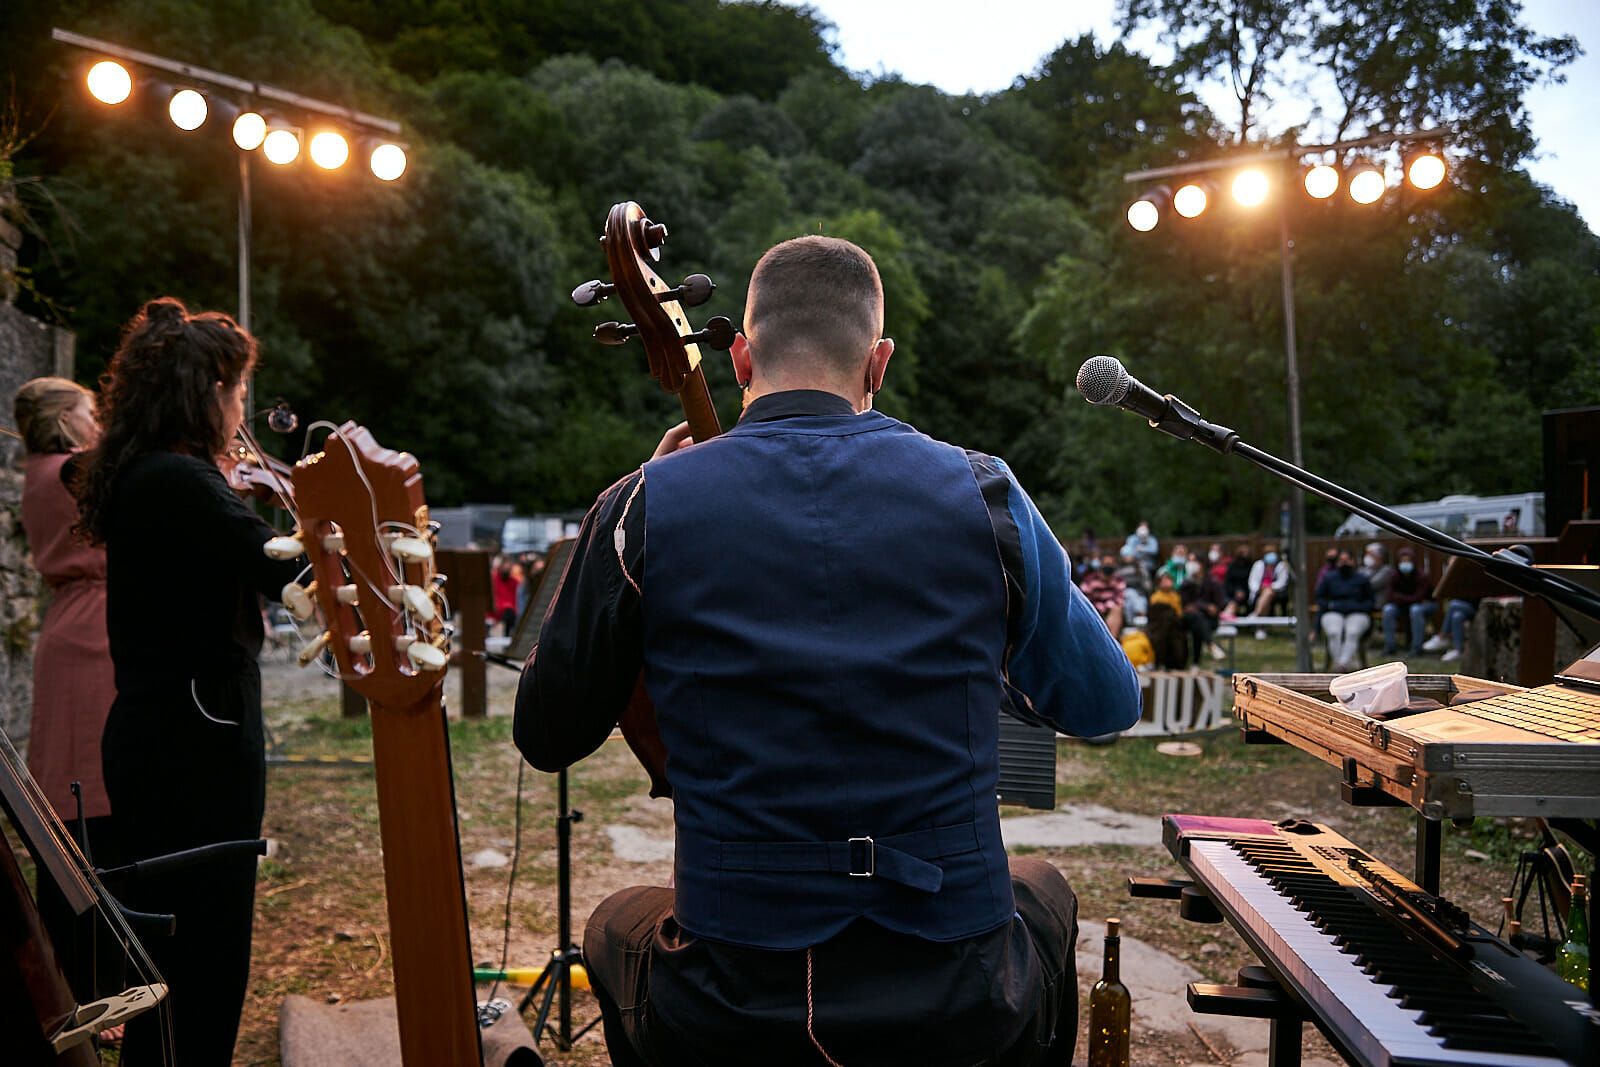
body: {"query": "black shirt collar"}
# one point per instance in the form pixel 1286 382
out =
pixel 793 402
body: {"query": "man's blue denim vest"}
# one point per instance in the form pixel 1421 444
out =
pixel 824 629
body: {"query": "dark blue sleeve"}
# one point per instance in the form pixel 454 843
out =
pixel 1062 662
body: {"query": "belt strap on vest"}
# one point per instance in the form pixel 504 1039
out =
pixel 901 858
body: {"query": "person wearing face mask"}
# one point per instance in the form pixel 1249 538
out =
pixel 1344 604
pixel 1410 598
pixel 1177 565
pixel 1106 592
pixel 1375 565
pixel 1269 584
pixel 1143 548
pixel 1217 563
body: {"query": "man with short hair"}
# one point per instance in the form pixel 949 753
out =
pixel 830 609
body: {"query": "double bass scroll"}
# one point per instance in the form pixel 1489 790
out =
pixel 633 243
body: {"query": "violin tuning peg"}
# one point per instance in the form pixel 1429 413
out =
pixel 614 333
pixel 592 292
pixel 695 290
pixel 718 334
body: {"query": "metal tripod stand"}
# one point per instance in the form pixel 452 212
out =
pixel 555 980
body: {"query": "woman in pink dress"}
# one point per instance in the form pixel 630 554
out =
pixel 72 677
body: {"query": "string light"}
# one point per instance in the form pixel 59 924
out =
pixel 388 162
pixel 329 150
pixel 109 82
pixel 1250 187
pixel 1322 181
pixel 249 130
pixel 1190 200
pixel 282 146
pixel 187 109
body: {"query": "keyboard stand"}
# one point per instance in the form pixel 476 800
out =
pixel 1256 996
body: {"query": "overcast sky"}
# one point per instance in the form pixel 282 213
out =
pixel 962 46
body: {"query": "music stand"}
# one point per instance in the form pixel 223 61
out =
pixel 555 980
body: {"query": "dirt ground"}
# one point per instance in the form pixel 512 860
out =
pixel 321 928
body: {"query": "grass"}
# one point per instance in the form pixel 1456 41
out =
pixel 321 928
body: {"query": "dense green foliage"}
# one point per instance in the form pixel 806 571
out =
pixel 1432 329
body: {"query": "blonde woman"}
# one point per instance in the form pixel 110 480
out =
pixel 73 685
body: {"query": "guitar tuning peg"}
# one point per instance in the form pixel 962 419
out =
pixel 693 291
pixel 283 548
pixel 347 594
pixel 314 649
pixel 411 549
pixel 333 543
pixel 718 334
pixel 426 657
pixel 614 333
pixel 361 643
pixel 416 601
pixel 297 598
pixel 592 292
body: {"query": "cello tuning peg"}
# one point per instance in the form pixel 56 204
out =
pixel 655 234
pixel 691 292
pixel 592 292
pixel 614 333
pixel 718 334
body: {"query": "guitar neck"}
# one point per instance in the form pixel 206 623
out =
pixel 697 406
pixel 434 993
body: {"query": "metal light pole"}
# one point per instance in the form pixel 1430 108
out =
pixel 1287 159
pixel 1297 496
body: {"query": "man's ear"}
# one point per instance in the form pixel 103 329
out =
pixel 878 362
pixel 739 353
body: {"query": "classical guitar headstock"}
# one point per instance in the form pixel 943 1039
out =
pixel 633 247
pixel 364 525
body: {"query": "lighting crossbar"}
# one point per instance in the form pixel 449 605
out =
pixel 227 81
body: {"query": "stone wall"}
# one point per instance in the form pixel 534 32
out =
pixel 28 348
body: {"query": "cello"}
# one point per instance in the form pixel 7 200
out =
pixel 632 243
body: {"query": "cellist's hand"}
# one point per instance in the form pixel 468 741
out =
pixel 675 438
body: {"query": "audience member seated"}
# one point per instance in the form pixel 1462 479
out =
pixel 1269 585
pixel 1453 630
pixel 1330 560
pixel 1177 565
pixel 1236 583
pixel 1203 602
pixel 1411 597
pixel 1375 565
pixel 1106 592
pixel 1142 547
pixel 1344 602
pixel 1166 592
pixel 1166 630
pixel 1217 563
pixel 1136 586
pixel 1087 556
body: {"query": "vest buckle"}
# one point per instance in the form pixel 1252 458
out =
pixel 863 857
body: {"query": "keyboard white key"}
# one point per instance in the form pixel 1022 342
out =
pixel 1378 1030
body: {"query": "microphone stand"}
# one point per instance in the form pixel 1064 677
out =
pixel 1509 567
pixel 1512 568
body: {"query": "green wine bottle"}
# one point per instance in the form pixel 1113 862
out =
pixel 1572 962
pixel 1110 1008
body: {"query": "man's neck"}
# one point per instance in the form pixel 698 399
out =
pixel 858 399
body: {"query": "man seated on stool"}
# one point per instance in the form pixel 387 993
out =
pixel 829 609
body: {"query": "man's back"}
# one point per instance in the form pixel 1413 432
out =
pixel 825 617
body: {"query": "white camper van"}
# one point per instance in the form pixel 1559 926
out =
pixel 1513 515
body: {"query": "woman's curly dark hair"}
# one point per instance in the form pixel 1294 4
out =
pixel 159 395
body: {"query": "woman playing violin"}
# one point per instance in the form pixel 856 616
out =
pixel 183 753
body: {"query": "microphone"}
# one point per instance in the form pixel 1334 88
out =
pixel 1104 380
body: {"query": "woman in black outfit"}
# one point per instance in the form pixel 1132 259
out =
pixel 182 751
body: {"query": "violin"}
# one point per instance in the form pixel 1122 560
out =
pixel 632 242
pixel 252 473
